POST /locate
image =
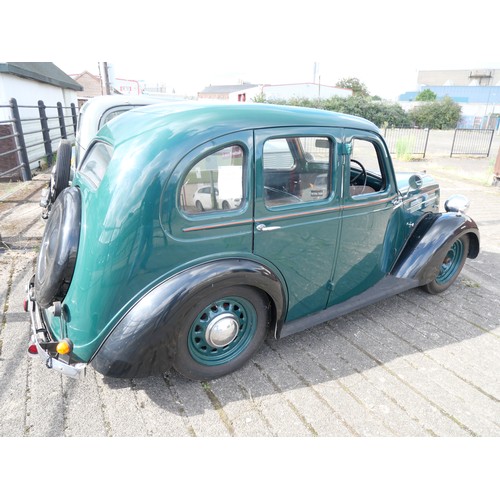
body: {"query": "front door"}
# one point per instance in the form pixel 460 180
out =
pixel 369 228
pixel 297 210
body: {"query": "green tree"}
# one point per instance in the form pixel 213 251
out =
pixel 379 112
pixel 444 114
pixel 358 88
pixel 383 114
pixel 426 95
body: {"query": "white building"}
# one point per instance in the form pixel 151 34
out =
pixel 476 91
pixel 28 83
pixel 303 90
pixel 246 92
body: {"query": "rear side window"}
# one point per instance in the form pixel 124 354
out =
pixel 214 183
pixel 96 162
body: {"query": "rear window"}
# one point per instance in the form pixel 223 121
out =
pixel 96 162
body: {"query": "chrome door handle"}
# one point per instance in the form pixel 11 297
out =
pixel 263 227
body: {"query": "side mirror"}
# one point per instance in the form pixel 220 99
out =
pixel 322 143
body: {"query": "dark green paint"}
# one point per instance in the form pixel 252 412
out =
pixel 451 263
pixel 134 236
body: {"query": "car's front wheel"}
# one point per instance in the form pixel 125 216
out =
pixel 219 331
pixel 450 267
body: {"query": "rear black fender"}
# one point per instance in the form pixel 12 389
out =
pixel 141 345
pixel 427 247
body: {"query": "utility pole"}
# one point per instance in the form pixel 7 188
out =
pixel 106 89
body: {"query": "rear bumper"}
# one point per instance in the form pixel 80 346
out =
pixel 41 339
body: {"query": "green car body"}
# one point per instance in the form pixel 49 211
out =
pixel 295 232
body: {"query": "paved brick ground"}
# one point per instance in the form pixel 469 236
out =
pixel 414 365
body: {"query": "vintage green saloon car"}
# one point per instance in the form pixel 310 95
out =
pixel 191 232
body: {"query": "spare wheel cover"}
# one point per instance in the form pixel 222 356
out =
pixel 57 257
pixel 61 171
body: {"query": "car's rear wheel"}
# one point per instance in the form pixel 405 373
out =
pixel 218 334
pixel 450 267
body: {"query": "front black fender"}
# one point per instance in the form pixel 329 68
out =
pixel 140 345
pixel 426 249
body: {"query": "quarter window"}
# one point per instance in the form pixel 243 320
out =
pixel 215 183
pixel 297 170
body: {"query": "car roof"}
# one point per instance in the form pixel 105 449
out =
pixel 99 104
pixel 92 112
pixel 205 121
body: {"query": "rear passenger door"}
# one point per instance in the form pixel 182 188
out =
pixel 218 174
pixel 297 210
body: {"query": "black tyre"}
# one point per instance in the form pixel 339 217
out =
pixel 218 332
pixel 57 257
pixel 199 206
pixel 59 179
pixel 451 266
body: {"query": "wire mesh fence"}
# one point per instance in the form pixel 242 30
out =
pixel 473 142
pixel 406 142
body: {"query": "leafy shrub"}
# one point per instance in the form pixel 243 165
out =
pixel 443 114
pixel 379 112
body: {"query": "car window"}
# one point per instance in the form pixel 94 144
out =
pixel 214 183
pixel 113 113
pixel 277 155
pixel 366 168
pixel 297 170
pixel 96 162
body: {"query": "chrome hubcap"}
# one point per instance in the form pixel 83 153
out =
pixel 222 330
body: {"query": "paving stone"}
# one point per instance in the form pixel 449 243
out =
pixel 412 365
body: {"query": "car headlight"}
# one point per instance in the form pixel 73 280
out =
pixel 457 203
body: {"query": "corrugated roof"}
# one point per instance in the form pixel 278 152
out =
pixel 460 93
pixel 45 72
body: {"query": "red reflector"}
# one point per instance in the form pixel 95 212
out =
pixel 25 305
pixel 32 349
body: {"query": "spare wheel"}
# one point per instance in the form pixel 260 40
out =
pixel 59 179
pixel 57 257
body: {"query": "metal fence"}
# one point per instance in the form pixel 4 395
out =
pixel 407 141
pixel 31 134
pixel 474 142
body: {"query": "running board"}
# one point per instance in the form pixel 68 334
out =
pixel 385 288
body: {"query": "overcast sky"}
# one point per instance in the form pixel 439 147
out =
pixel 188 46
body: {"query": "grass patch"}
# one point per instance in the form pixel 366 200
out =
pixel 404 148
pixel 470 283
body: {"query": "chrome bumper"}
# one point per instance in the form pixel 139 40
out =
pixel 40 337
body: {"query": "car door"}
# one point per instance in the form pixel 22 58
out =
pixel 215 230
pixel 369 220
pixel 297 210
